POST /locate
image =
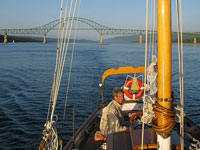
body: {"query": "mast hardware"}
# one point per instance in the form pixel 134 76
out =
pixel 173 97
pixel 165 99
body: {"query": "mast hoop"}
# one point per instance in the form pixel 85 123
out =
pixel 165 99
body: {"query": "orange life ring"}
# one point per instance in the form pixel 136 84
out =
pixel 131 95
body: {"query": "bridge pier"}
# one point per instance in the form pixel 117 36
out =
pixel 5 40
pixel 45 39
pixel 195 40
pixel 140 39
pixel 101 39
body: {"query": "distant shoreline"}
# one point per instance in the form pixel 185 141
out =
pixel 25 39
pixel 20 39
pixel 132 39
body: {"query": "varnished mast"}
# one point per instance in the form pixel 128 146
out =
pixel 164 67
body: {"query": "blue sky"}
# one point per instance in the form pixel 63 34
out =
pixel 115 13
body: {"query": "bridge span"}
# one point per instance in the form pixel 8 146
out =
pixel 90 25
pixel 53 25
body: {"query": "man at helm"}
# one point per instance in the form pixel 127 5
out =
pixel 112 119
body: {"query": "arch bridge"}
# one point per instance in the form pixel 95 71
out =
pixel 91 25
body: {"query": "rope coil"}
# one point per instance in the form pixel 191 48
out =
pixel 165 114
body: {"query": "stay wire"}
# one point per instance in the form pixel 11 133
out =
pixel 53 83
pixel 63 56
pixel 150 33
pixel 60 39
pixel 70 70
pixel 153 38
pixel 180 53
pixel 62 49
pixel 145 79
pixel 60 35
pixel 60 43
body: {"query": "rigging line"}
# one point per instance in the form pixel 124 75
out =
pixel 156 35
pixel 64 33
pixel 70 70
pixel 145 79
pixel 65 52
pixel 53 88
pixel 182 99
pixel 68 38
pixel 178 34
pixel 180 80
pixel 60 20
pixel 63 59
pixel 60 42
pixel 53 84
pixel 153 38
pixel 58 56
pixel 181 50
pixel 58 75
pixel 150 35
pixel 64 45
pixel 61 50
pixel 68 42
pixel 154 52
pixel 60 33
pixel 63 25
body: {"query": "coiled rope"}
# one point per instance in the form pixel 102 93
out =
pixel 167 115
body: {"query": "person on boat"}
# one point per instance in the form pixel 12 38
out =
pixel 112 119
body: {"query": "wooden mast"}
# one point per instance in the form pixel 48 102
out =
pixel 164 66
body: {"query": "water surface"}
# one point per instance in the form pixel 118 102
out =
pixel 26 74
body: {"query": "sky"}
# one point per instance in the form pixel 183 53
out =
pixel 111 13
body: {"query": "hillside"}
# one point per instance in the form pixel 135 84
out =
pixel 187 38
pixel 11 38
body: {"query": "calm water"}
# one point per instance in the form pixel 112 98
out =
pixel 26 74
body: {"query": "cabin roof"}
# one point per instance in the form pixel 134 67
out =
pixel 122 70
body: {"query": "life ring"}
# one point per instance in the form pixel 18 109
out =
pixel 131 95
